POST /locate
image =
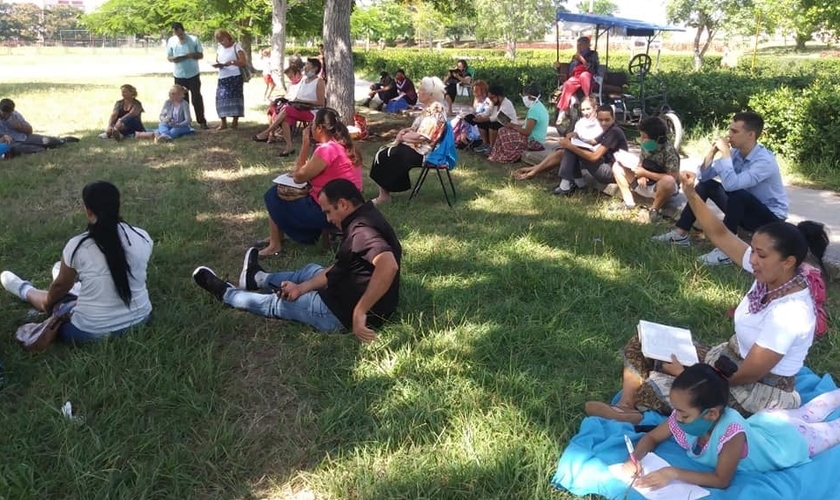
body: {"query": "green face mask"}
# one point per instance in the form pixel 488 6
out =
pixel 649 145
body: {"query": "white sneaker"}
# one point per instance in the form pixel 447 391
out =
pixel 715 258
pixel 13 283
pixel 674 238
pixel 103 135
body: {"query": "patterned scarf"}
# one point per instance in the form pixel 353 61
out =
pixel 758 297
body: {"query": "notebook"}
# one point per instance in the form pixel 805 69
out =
pixel 287 180
pixel 503 118
pixel 673 490
pixel 660 341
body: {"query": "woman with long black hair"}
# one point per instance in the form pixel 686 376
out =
pixel 109 263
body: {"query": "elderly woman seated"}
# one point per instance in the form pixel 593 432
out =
pixel 334 157
pixel 392 163
pixel 774 323
pixel 310 95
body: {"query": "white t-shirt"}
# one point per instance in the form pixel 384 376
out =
pixel 785 326
pixel 224 55
pixel 505 107
pixel 307 90
pixel 99 308
pixel 588 129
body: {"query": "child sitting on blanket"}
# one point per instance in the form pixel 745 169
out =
pixel 718 436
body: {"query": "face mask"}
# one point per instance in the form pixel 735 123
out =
pixel 528 101
pixel 648 145
pixel 310 74
pixel 697 427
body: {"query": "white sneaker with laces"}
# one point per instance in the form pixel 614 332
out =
pixel 715 258
pixel 674 238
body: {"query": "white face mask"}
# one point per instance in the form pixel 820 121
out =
pixel 528 101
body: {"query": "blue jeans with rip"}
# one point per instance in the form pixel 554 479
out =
pixel 308 308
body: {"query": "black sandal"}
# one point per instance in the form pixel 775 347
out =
pixel 258 139
pixel 284 154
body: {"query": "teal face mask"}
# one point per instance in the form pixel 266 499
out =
pixel 649 145
pixel 697 427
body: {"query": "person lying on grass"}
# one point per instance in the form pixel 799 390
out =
pixel 104 267
pixel 717 436
pixel 774 323
pixel 17 132
pixel 359 291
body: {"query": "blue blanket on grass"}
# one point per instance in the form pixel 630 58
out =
pixel 582 469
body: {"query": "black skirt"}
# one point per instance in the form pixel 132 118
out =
pixel 391 166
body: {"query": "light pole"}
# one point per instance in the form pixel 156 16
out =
pixel 591 6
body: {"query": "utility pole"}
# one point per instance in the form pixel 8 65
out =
pixel 591 6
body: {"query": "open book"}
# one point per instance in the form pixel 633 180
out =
pixel 661 341
pixel 626 158
pixel 503 118
pixel 585 145
pixel 287 180
pixel 675 489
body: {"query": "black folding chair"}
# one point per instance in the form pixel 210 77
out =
pixel 439 165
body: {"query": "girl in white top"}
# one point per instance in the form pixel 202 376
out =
pixel 587 129
pixel 310 96
pixel 774 323
pixel 109 262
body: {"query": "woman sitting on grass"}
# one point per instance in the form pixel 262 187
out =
pixel 105 267
pixel 175 118
pixel 774 323
pixel 125 119
pixel 717 436
pixel 393 162
pixel 335 157
pixel 513 139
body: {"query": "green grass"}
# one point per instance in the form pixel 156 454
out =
pixel 514 304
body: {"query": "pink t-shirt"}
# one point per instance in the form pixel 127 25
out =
pixel 339 166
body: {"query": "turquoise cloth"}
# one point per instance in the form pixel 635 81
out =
pixel 445 152
pixel 582 468
pixel 539 114
pixel 772 443
pixel 187 68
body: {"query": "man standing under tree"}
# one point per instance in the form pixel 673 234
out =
pixel 185 51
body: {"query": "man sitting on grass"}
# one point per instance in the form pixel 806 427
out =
pixel 17 132
pixel 750 192
pixel 361 288
pixel 596 159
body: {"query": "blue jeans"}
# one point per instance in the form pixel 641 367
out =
pixel 71 334
pixel 308 308
pixel 174 132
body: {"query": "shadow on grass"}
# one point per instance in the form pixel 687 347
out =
pixel 11 89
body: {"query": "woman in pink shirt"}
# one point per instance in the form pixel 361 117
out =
pixel 335 157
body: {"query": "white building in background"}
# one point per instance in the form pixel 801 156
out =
pixel 86 5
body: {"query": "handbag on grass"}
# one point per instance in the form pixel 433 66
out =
pixel 289 190
pixel 38 336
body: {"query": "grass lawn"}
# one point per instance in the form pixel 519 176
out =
pixel 514 305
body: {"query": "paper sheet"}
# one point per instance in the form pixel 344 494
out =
pixel 660 341
pixel 579 143
pixel 626 158
pixel 287 180
pixel 672 491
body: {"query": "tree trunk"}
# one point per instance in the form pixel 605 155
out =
pixel 698 57
pixel 801 39
pixel 278 36
pixel 338 53
pixel 246 41
pixel 510 47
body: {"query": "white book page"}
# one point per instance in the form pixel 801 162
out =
pixel 672 491
pixel 287 180
pixel 661 341
pixel 579 143
pixel 626 158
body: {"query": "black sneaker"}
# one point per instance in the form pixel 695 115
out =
pixel 207 279
pixel 565 192
pixel 250 268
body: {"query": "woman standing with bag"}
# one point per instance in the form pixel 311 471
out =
pixel 230 96
pixel 335 157
pixel 108 261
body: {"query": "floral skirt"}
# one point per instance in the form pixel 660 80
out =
pixel 510 145
pixel 230 99
pixel 771 392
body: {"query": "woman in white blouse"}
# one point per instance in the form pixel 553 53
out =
pixel 230 99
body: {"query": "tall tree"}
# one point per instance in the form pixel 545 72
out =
pixel 26 21
pixel 429 23
pixel 602 7
pixel 513 20
pixel 338 52
pixel 706 17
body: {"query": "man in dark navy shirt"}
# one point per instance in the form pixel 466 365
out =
pixel 359 291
